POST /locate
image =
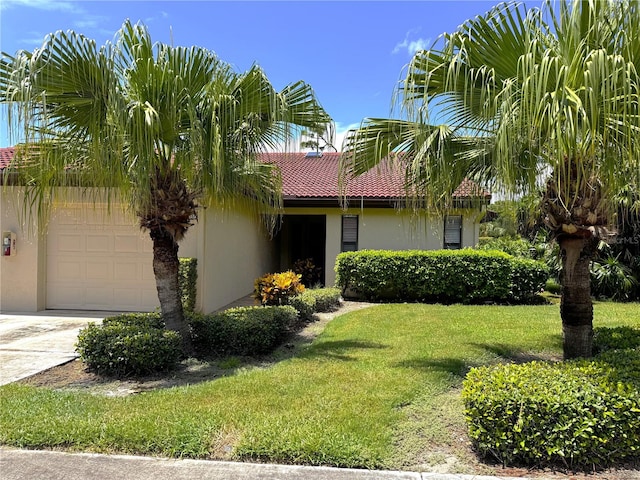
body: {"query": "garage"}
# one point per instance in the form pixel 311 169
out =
pixel 98 261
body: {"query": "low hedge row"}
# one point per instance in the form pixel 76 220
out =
pixel 242 330
pixel 577 414
pixel 129 344
pixel 187 279
pixel 468 276
pixel 315 300
pixel 137 344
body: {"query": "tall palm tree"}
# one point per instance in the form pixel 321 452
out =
pixel 164 129
pixel 519 99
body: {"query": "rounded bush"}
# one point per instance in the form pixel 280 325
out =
pixel 242 330
pixel 577 414
pixel 128 345
pixel 615 338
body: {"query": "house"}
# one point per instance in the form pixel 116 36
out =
pixel 95 257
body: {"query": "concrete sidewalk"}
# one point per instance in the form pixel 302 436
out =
pixel 31 343
pixel 47 465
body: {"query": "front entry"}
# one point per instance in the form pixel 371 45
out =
pixel 302 241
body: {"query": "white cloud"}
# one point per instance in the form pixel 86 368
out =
pixel 412 46
pixel 341 132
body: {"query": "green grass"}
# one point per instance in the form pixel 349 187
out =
pixel 376 389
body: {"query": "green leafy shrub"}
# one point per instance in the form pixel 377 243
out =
pixel 552 286
pixel 242 330
pixel 310 273
pixel 140 320
pixel 528 278
pixel 577 414
pixel 611 278
pixel 438 275
pixel 305 305
pixel 517 247
pixel 277 288
pixel 128 345
pixel 615 338
pixel 315 300
pixel 327 299
pixel 187 278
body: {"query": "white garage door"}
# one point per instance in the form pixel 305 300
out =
pixel 97 261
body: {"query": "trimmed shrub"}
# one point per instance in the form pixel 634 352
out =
pixel 140 320
pixel 187 278
pixel 315 300
pixel 327 299
pixel 305 305
pixel 242 330
pixel 578 414
pixel 448 276
pixel 552 286
pixel 128 345
pixel 277 288
pixel 528 278
pixel 615 338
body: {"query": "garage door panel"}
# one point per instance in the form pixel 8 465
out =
pixel 128 244
pixel 97 261
pixel 99 270
pixel 126 272
pixel 69 270
pixel 70 243
pixel 99 243
pixel 98 296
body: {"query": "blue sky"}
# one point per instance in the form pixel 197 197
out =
pixel 351 53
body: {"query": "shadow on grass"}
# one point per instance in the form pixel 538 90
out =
pixel 515 355
pixel 341 349
pixel 454 366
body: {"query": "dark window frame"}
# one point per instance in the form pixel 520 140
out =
pixel 452 245
pixel 349 236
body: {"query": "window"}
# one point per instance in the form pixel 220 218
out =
pixel 453 232
pixel 349 233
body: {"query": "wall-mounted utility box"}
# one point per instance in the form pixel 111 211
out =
pixel 8 244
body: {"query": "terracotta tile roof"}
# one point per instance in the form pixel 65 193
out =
pixel 317 178
pixel 6 154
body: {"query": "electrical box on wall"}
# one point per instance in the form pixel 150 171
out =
pixel 8 244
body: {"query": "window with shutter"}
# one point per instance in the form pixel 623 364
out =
pixel 453 232
pixel 349 233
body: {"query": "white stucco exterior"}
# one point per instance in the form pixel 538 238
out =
pixel 387 229
pixel 232 249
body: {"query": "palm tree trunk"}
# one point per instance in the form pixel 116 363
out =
pixel 165 268
pixel 576 307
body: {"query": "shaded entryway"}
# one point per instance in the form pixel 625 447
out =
pixel 302 239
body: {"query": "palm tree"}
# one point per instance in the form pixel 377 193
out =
pixel 164 129
pixel 520 99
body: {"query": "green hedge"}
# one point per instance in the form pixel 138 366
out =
pixel 615 338
pixel 129 344
pixel 468 276
pixel 578 414
pixel 315 300
pixel 242 330
pixel 187 278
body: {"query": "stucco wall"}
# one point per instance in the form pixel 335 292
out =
pixel 234 251
pixel 388 229
pixel 22 275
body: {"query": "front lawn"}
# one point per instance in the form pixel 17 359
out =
pixel 378 389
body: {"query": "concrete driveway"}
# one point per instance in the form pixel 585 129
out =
pixel 33 342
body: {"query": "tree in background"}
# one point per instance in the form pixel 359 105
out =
pixel 520 100
pixel 165 129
